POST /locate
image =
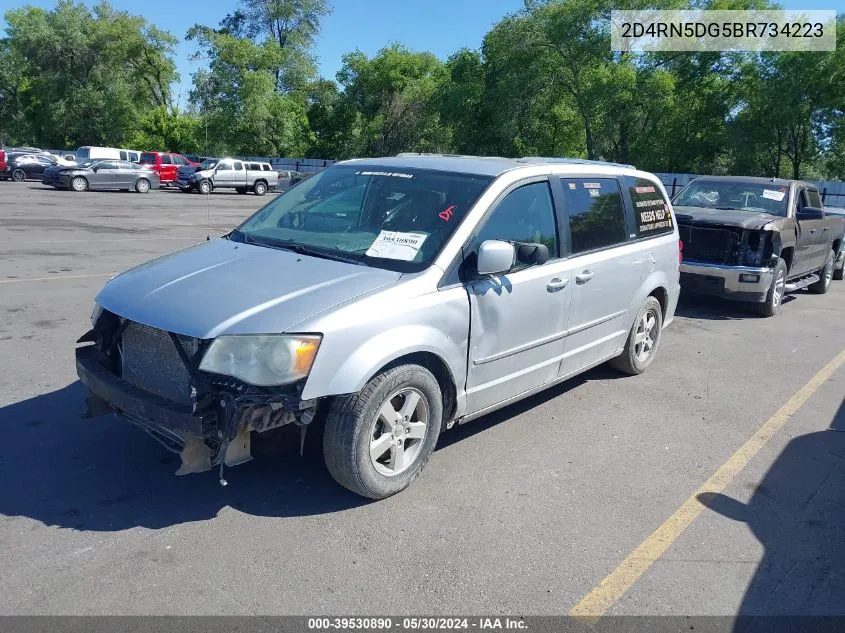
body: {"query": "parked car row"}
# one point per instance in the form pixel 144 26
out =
pixel 396 297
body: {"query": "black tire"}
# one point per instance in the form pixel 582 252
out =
pixel 18 175
pixel 839 273
pixel 259 188
pixel 774 297
pixel 825 276
pixel 241 190
pixel 204 187
pixel 142 185
pixel 78 184
pixel 353 422
pixel 630 361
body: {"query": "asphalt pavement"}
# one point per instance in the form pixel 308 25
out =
pixel 524 511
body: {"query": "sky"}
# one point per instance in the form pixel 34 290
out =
pixel 438 26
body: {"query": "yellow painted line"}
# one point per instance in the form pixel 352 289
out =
pixel 600 599
pixel 54 278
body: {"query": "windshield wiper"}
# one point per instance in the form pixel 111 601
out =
pixel 296 247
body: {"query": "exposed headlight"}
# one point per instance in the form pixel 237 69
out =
pixel 262 359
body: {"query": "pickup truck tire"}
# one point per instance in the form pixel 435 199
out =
pixel 259 188
pixel 774 298
pixel 643 340
pixel 825 275
pixel 377 441
pixel 204 187
pixel 839 273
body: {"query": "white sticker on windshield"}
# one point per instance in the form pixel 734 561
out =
pixel 773 194
pixel 396 245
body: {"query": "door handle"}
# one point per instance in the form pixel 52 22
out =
pixel 584 277
pixel 812 230
pixel 825 229
pixel 557 284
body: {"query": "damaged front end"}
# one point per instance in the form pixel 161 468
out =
pixel 152 378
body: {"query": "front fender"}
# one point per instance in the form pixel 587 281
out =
pixel 334 376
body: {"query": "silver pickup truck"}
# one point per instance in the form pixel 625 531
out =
pixel 240 175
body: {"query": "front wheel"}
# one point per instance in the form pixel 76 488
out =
pixel 260 188
pixel 377 441
pixel 774 297
pixel 839 271
pixel 19 175
pixel 643 339
pixel 142 186
pixel 79 184
pixel 825 276
pixel 205 187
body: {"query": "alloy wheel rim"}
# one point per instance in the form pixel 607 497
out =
pixel 399 431
pixel 645 338
pixel 78 184
pixel 18 176
pixel 143 186
pixel 780 286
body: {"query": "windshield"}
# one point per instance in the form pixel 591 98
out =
pixel 736 195
pixel 394 218
pixel 208 164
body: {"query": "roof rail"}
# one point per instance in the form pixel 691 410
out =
pixel 408 154
pixel 570 161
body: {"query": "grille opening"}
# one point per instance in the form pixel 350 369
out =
pixel 150 361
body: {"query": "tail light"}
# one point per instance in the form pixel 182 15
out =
pixel 680 251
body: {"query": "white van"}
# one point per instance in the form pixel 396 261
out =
pixel 87 152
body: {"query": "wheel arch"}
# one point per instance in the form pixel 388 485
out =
pixel 437 366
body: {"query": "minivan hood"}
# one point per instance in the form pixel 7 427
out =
pixel 222 287
pixel 742 219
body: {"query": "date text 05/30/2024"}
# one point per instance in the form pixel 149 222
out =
pixel 416 623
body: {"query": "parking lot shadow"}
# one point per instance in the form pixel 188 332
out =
pixel 797 512
pixel 104 474
pixel 101 473
pixel 716 308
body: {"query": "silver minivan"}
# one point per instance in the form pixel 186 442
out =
pixel 388 299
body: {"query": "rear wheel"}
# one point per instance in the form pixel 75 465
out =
pixel 142 185
pixel 643 339
pixel 260 188
pixel 79 184
pixel 825 276
pixel 839 270
pixel 377 441
pixel 19 175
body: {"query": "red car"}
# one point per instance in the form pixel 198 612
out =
pixel 165 164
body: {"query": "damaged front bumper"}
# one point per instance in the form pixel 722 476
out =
pixel 214 430
pixel 739 283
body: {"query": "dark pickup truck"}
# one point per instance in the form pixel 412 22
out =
pixel 755 239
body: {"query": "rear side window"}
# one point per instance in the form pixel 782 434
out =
pixel 651 209
pixel 124 155
pixel 596 214
pixel 265 167
pixel 165 160
pixel 148 158
pixel 178 160
pixel 83 152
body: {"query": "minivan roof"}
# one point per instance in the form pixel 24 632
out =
pixel 479 165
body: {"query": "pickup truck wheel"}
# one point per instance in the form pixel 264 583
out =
pixel 839 271
pixel 774 298
pixel 260 188
pixel 825 275
pixel 643 339
pixel 377 441
pixel 205 187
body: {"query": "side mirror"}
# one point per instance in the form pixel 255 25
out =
pixel 810 213
pixel 95 168
pixel 532 254
pixel 495 256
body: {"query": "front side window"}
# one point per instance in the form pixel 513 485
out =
pixel 238 165
pixel 524 216
pixel 813 199
pixel 165 160
pixel 389 217
pixel 596 214
pixel 224 167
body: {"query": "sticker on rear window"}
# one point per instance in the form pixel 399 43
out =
pixel 644 189
pixel 592 185
pixel 396 245
pixel 392 174
pixel 773 194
